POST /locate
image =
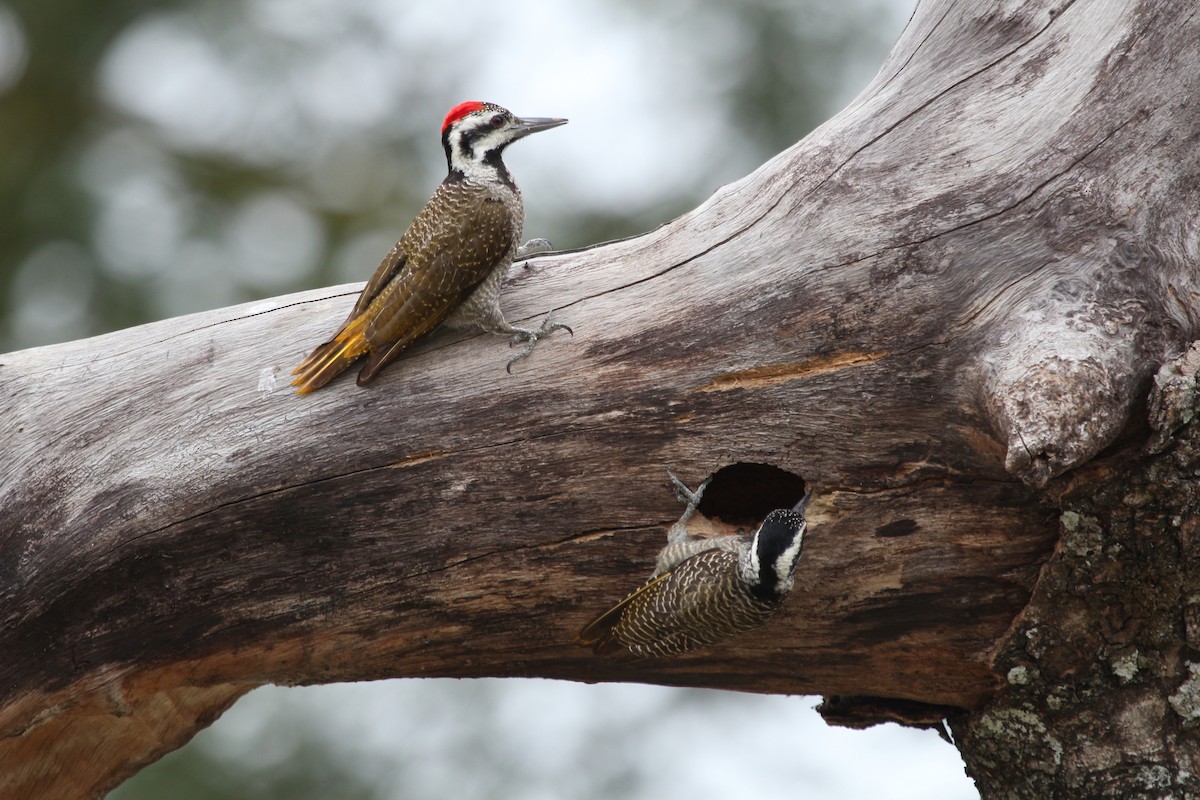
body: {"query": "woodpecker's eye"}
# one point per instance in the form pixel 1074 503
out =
pixel 497 121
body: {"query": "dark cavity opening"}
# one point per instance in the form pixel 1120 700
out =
pixel 743 494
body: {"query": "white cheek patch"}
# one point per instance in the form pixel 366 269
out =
pixel 490 141
pixel 470 164
pixel 783 567
pixel 755 566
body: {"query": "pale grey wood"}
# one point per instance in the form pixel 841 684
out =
pixel 950 293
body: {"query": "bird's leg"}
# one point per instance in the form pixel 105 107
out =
pixel 531 245
pixel 491 319
pixel 532 336
pixel 679 532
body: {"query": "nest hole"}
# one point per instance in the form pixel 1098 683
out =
pixel 743 494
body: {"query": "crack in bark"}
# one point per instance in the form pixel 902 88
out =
pixel 968 323
pixel 401 464
pixel 99 358
pixel 582 536
pixel 920 44
pixel 992 215
pixel 913 487
pixel 943 92
pixel 772 374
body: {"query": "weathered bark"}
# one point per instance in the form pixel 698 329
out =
pixel 956 290
pixel 1101 690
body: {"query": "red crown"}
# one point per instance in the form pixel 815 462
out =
pixel 460 111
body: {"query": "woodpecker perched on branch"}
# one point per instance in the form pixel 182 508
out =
pixel 448 266
pixel 704 591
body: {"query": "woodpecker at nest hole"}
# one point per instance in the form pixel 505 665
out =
pixel 704 591
pixel 448 266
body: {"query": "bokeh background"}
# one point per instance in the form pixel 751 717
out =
pixel 159 157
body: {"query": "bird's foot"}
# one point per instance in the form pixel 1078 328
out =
pixel 687 496
pixel 679 532
pixel 531 338
pixel 531 245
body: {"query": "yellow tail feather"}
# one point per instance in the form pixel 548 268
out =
pixel 332 358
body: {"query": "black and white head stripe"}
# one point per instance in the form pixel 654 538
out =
pixel 774 552
pixel 474 136
pixel 473 140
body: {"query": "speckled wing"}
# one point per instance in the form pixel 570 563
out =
pixel 461 235
pixel 391 265
pixel 699 602
pixel 600 633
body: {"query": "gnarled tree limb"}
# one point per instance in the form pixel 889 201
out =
pixel 951 293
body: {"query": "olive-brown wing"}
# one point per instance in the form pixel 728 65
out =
pixel 451 247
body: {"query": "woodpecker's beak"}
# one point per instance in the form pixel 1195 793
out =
pixel 803 504
pixel 528 125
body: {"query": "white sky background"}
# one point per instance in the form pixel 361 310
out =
pixel 448 739
pixel 626 86
pixel 628 90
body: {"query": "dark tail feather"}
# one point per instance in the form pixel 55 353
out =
pixel 599 634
